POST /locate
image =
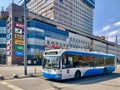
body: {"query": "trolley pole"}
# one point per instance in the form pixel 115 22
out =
pixel 25 39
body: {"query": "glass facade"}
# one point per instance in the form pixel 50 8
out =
pixel 2 41
pixel 37 32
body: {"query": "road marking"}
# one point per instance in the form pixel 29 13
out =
pixel 50 89
pixel 13 87
pixel 4 83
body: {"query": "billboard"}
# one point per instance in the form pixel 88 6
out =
pixel 19 42
pixel 8 36
pixel 18 36
pixel 19 47
pixel 18 31
pixel 19 25
pixel 17 53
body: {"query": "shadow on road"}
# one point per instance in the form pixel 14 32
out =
pixel 89 80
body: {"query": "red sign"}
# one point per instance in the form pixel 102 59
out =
pixel 19 25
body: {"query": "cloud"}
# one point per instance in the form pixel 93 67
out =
pixel 106 28
pixel 112 33
pixel 111 39
pixel 117 24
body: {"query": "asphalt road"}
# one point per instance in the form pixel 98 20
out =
pixel 101 82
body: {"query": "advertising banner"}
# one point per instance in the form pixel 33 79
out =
pixel 17 36
pixel 8 36
pixel 8 53
pixel 8 31
pixel 19 47
pixel 19 25
pixel 17 53
pixel 8 42
pixel 8 47
pixel 18 31
pixel 19 42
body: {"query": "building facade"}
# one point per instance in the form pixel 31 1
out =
pixel 2 41
pixel 74 13
pixel 44 35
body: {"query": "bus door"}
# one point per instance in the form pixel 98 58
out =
pixel 67 67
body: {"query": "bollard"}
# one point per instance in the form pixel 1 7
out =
pixel 35 72
pixel 2 77
pixel 15 76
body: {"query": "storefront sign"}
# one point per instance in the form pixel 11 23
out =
pixel 8 19
pixel 17 53
pixel 8 25
pixel 17 36
pixel 19 25
pixel 8 47
pixel 8 53
pixel 18 31
pixel 19 20
pixel 8 31
pixel 8 36
pixel 19 47
pixel 19 42
pixel 8 42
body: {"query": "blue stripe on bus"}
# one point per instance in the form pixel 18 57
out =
pixel 87 54
pixel 93 72
pixel 52 76
pixel 97 71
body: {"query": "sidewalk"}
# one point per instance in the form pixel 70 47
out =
pixel 8 71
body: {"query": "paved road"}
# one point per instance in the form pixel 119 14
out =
pixel 101 82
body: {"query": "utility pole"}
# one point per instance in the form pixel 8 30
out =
pixel 115 51
pixel 25 39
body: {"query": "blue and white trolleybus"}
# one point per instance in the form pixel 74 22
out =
pixel 62 64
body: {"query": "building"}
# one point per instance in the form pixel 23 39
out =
pixel 74 13
pixel 2 41
pixel 44 34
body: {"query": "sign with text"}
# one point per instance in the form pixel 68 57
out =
pixel 17 19
pixel 19 25
pixel 18 31
pixel 8 19
pixel 18 36
pixel 8 31
pixel 8 25
pixel 17 53
pixel 8 53
pixel 8 47
pixel 8 42
pixel 19 47
pixel 8 36
pixel 19 42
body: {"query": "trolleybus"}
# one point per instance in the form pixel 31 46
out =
pixel 62 64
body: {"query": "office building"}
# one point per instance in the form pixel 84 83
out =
pixel 74 13
pixel 43 34
pixel 2 41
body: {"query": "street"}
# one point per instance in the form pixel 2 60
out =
pixel 100 82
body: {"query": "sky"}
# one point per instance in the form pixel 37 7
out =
pixel 106 17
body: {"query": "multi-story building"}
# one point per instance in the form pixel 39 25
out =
pixel 74 13
pixel 43 34
pixel 2 41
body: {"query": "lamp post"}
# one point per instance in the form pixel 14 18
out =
pixel 25 39
pixel 115 61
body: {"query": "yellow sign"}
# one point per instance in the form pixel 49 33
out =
pixel 17 36
pixel 19 42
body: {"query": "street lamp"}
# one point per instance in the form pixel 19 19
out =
pixel 25 39
pixel 115 61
